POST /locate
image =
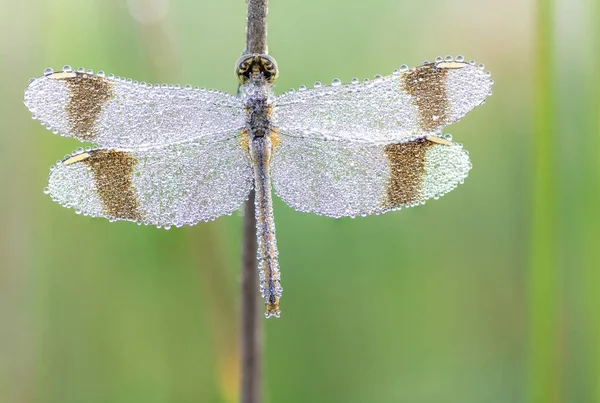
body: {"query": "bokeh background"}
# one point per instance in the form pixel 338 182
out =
pixel 489 294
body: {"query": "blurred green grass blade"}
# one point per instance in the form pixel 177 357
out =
pixel 544 383
pixel 591 235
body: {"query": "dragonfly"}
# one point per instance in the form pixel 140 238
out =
pixel 167 155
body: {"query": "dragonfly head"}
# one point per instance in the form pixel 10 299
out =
pixel 256 66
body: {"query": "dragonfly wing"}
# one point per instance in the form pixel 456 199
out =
pixel 341 179
pixel 114 112
pixel 177 184
pixel 402 107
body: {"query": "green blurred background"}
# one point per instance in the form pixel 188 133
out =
pixel 488 295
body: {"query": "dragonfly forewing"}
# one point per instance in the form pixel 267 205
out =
pixel 402 107
pixel 114 112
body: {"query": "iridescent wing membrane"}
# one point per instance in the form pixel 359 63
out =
pixel 370 147
pixel 168 156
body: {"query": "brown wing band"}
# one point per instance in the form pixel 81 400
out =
pixel 88 94
pixel 407 171
pixel 113 174
pixel 427 86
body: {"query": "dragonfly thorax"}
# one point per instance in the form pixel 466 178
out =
pixel 257 97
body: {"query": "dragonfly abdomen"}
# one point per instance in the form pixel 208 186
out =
pixel 267 254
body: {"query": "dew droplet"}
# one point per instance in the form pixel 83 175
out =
pixel 48 71
pixel 460 58
pixel 403 68
pixel 335 82
pixel 302 88
pixel 90 72
pixel 439 59
pixel 481 66
pixel 355 80
pixel 67 69
pixel 377 76
pixel 448 58
pixel 47 190
pixel 448 136
pixel 317 84
pixel 81 70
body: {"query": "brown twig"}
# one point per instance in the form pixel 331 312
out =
pixel 256 26
pixel 251 323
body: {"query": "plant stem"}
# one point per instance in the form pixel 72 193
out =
pixel 256 27
pixel 251 323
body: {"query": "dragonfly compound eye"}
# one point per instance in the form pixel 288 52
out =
pixel 256 67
